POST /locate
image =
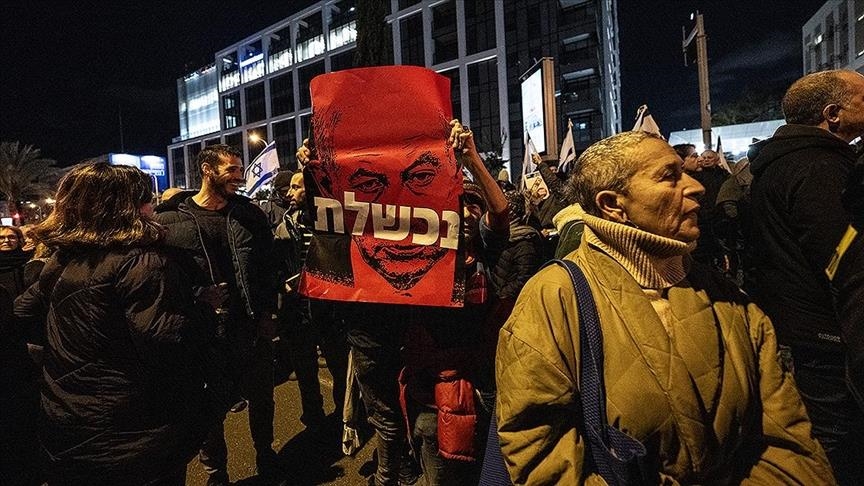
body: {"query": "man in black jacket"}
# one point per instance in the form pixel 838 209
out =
pixel 799 217
pixel 230 239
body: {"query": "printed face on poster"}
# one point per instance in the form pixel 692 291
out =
pixel 536 188
pixel 385 189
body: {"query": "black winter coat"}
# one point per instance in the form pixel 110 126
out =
pixel 251 247
pixel 123 393
pixel 518 261
pixel 798 218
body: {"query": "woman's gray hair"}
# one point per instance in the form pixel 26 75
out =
pixel 607 165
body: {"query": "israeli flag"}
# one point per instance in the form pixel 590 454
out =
pixel 262 169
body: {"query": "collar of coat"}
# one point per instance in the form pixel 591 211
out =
pixel 655 262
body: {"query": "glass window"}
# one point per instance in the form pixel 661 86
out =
pixel 304 77
pixel 282 95
pixel 231 110
pixel 257 140
pixel 485 119
pixel 194 169
pixel 343 23
pixel 407 3
pixel 304 126
pixel 280 55
pixel 455 99
pixel 178 167
pixel 252 61
pixel 229 71
pixel 310 37
pixel 343 60
pixel 480 25
pixel 212 141
pixel 444 32
pixel 285 135
pixel 235 140
pixel 255 108
pixel 412 41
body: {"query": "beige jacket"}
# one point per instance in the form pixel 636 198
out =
pixel 712 405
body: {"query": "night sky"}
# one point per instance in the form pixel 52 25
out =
pixel 72 72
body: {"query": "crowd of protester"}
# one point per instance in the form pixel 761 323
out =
pixel 727 307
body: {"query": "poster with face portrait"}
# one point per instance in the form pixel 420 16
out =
pixel 383 189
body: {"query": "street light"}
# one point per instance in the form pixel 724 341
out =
pixel 255 138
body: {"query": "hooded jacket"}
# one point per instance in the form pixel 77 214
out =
pixel 798 215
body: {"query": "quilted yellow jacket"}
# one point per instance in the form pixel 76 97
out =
pixel 712 405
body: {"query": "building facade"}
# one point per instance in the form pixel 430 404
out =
pixel 834 37
pixel 260 85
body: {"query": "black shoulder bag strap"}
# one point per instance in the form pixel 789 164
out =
pixel 614 454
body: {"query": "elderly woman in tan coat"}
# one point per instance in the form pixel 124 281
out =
pixel 691 366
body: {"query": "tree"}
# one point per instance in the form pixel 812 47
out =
pixel 493 159
pixel 24 173
pixel 751 106
pixel 374 43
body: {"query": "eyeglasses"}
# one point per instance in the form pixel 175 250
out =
pixel 10 238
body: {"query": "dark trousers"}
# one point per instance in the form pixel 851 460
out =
pixel 329 329
pixel 255 381
pixel 374 333
pixel 297 347
pixel 838 421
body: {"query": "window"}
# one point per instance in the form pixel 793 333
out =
pixel 411 35
pixel 229 72
pixel 280 50
pixel 304 77
pixel 251 62
pixel 194 169
pixel 310 37
pixel 455 99
pixel 235 140
pixel 406 3
pixel 255 108
pixel 257 140
pixel 282 95
pixel 485 119
pixel 178 167
pixel 285 136
pixel 231 110
pixel 343 23
pixel 480 25
pixel 444 32
pixel 343 60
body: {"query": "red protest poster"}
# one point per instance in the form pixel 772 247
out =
pixel 384 189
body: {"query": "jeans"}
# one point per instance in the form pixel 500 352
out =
pixel 838 421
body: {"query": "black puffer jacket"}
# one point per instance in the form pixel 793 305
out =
pixel 123 392
pixel 251 246
pixel 517 262
pixel 799 217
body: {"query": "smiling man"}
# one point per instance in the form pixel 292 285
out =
pixel 231 241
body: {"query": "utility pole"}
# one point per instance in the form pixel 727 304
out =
pixel 120 119
pixel 698 34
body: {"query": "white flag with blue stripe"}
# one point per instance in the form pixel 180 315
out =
pixel 262 170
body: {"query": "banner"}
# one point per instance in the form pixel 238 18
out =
pixel 384 188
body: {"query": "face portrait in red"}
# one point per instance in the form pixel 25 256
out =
pixel 386 175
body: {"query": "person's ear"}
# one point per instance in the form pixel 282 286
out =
pixel 610 206
pixel 831 113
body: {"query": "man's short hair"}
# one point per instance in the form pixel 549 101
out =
pixel 683 149
pixel 282 179
pixel 807 97
pixel 212 154
pixel 607 165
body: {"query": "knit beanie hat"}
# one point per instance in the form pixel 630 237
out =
pixel 472 194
